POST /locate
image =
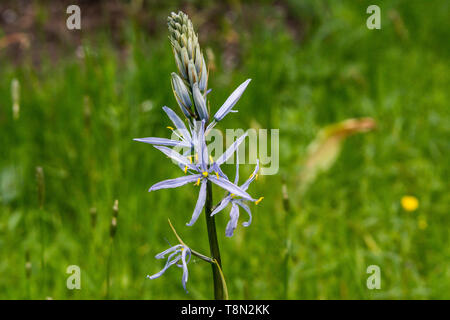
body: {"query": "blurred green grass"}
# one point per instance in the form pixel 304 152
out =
pixel 78 117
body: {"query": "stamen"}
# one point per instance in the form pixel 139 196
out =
pixel 196 157
pixel 217 175
pixel 185 169
pixel 211 159
pixel 190 159
pixel 205 173
pixel 198 182
pixel 257 175
pixel 259 200
pixel 171 128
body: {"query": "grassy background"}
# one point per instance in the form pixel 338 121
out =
pixel 313 63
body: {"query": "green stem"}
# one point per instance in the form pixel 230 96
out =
pixel 214 246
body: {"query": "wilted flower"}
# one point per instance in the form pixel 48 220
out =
pixel 178 252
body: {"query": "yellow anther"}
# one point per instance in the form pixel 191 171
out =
pixel 171 128
pixel 259 200
pixel 205 173
pixel 190 159
pixel 257 175
pixel 185 169
pixel 198 182
pixel 233 195
pixel 196 157
pixel 211 159
pixel 217 175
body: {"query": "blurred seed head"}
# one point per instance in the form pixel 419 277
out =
pixel 93 214
pixel 28 265
pixel 15 94
pixel 113 227
pixel 40 186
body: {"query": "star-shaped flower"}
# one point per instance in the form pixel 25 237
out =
pixel 236 201
pixel 201 170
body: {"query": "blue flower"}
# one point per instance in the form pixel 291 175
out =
pixel 178 252
pixel 201 169
pixel 236 202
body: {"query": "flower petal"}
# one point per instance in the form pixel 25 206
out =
pixel 216 168
pixel 230 187
pixel 236 178
pixel 246 208
pixel 252 177
pixel 200 203
pixel 232 224
pixel 162 254
pixel 221 205
pixel 174 183
pixel 184 279
pixel 229 152
pixel 231 101
pixel 169 263
pixel 176 156
pixel 163 142
pixel 179 124
pixel 200 147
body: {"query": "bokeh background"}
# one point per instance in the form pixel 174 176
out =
pixel 72 101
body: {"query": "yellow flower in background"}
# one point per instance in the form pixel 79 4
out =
pixel 410 203
pixel 422 223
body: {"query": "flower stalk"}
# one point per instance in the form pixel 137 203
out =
pixel 189 86
pixel 214 245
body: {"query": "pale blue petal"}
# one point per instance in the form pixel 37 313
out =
pixel 232 224
pixel 184 279
pixel 178 123
pixel 163 254
pixel 215 168
pixel 246 208
pixel 211 125
pixel 169 263
pixel 176 156
pixel 221 205
pixel 230 187
pixel 252 177
pixel 202 150
pixel 229 152
pixel 236 178
pixel 174 183
pixel 163 142
pixel 200 203
pixel 231 101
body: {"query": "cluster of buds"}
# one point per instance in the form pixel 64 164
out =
pixel 190 85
